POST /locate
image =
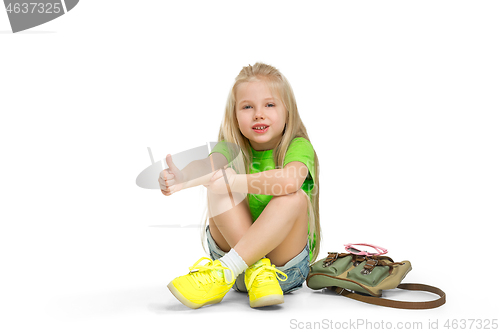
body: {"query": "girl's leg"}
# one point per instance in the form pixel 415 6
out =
pixel 280 232
pixel 228 228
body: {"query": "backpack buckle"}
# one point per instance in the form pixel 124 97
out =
pixel 332 256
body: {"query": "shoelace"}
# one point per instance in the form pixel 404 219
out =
pixel 204 274
pixel 266 275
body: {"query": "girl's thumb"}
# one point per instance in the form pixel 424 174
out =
pixel 171 164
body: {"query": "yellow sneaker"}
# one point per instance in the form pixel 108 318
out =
pixel 203 285
pixel 262 285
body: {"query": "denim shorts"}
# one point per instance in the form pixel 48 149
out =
pixel 296 269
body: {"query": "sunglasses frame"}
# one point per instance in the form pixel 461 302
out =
pixel 350 247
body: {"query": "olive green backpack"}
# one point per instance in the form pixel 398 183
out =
pixel 363 278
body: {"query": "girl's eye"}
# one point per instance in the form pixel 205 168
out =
pixel 248 106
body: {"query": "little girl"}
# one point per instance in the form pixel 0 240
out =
pixel 273 232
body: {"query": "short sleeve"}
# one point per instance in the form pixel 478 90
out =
pixel 229 150
pixel 301 150
pixel 222 148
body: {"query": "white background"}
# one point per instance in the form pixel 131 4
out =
pixel 400 100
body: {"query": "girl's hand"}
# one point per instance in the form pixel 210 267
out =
pixel 171 179
pixel 218 184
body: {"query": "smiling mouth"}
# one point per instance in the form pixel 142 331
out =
pixel 260 129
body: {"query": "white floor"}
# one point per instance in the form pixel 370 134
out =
pixel 126 291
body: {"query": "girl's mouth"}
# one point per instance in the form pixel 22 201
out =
pixel 261 129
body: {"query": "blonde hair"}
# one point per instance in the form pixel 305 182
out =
pixel 230 132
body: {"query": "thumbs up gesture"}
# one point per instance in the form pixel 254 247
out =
pixel 171 179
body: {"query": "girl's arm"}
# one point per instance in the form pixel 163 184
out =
pixel 199 172
pixel 275 182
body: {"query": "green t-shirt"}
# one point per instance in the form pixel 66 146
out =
pixel 300 149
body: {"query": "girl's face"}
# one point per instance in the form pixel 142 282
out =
pixel 255 105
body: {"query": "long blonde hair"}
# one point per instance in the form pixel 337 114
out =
pixel 230 132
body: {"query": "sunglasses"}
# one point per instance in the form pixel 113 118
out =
pixel 352 249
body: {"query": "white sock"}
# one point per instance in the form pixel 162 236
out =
pixel 233 261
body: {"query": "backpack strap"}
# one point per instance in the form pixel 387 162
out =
pixel 399 304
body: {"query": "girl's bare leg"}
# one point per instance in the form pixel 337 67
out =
pixel 280 232
pixel 228 228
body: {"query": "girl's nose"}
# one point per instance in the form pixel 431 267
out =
pixel 259 112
